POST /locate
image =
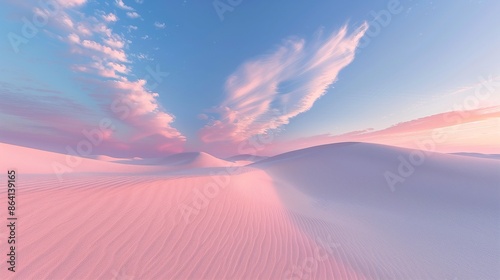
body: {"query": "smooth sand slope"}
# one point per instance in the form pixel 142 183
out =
pixel 32 161
pixel 321 213
pixel 442 222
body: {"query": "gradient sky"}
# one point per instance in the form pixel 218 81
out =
pixel 160 77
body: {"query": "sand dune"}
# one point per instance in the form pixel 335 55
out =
pixel 356 171
pixel 32 161
pixel 487 156
pixel 442 222
pixel 321 213
pixel 246 157
pixel 107 158
pixel 183 160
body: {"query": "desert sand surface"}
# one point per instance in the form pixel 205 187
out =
pixel 325 212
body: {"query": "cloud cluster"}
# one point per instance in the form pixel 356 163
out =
pixel 145 127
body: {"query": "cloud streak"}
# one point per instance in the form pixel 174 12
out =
pixel 265 93
pixel 457 131
pixel 71 3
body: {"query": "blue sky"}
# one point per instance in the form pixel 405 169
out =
pixel 396 61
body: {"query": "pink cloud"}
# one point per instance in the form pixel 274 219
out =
pixel 138 109
pixel 442 120
pixel 119 67
pixel 74 38
pixel 120 4
pixel 115 42
pixel 84 30
pixel 44 114
pixel 115 54
pixel 71 3
pixel 105 70
pixel 474 130
pixel 265 93
pixel 103 29
pixel 66 21
pixel 110 17
pixel 133 15
pixel 143 127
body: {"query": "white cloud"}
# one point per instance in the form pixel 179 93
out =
pixel 118 67
pixel 112 54
pixel 160 25
pixel 142 56
pixel 71 3
pixel 133 15
pixel 121 5
pixel 65 21
pixel 266 92
pixel 115 42
pixel 102 28
pixel 110 17
pixel 83 30
pixel 103 69
pixel 131 27
pixel 73 38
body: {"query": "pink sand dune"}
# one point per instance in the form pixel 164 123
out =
pixel 183 160
pixel 32 161
pixel 321 213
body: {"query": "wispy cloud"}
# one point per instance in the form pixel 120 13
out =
pixel 121 5
pixel 71 3
pixel 442 120
pixel 160 25
pixel 266 92
pixel 133 15
pixel 110 17
pixel 143 56
pixel 131 27
pixel 112 53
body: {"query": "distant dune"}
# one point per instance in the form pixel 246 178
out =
pixel 357 170
pixel 326 212
pixel 246 157
pixel 183 160
pixel 32 161
pixel 106 158
pixel 488 156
